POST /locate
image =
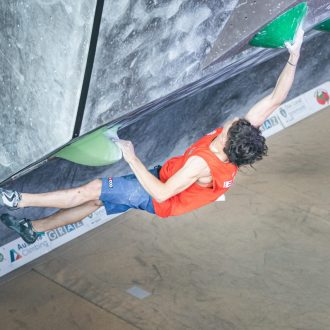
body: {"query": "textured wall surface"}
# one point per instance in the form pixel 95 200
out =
pixel 147 49
pixel 162 134
pixel 43 53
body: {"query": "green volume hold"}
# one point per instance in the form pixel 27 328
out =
pixel 94 149
pixel 281 29
pixel 324 26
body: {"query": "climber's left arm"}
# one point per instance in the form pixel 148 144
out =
pixel 265 107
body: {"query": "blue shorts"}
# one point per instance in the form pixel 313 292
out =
pixel 120 194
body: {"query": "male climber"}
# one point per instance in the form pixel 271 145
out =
pixel 200 176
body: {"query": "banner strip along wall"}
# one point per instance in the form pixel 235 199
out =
pixel 18 253
pixel 291 112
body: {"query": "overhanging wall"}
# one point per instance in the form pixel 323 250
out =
pixel 44 47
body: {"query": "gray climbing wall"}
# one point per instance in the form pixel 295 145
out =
pixel 148 49
pixel 155 52
pixel 43 52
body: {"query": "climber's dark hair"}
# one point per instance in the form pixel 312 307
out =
pixel 245 144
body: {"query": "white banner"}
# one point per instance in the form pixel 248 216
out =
pixel 18 253
pixel 304 105
pixel 318 98
pixel 272 125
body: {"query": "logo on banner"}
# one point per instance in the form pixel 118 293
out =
pixel 2 258
pixel 14 255
pixel 270 122
pixel 283 113
pixel 61 231
pixel 322 96
pixel 24 249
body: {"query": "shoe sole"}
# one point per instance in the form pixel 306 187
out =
pixel 2 204
pixel 16 230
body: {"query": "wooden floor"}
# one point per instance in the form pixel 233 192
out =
pixel 259 261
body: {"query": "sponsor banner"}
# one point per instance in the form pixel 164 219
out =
pixel 61 235
pixel 18 253
pixel 98 218
pixel 5 265
pixel 293 111
pixel 304 105
pixel 271 125
pixel 318 98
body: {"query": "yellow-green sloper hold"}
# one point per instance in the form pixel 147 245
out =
pixel 324 26
pixel 281 29
pixel 95 149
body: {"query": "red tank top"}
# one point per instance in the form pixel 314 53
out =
pixel 196 196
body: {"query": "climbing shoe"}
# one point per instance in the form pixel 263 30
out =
pixel 22 226
pixel 9 198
